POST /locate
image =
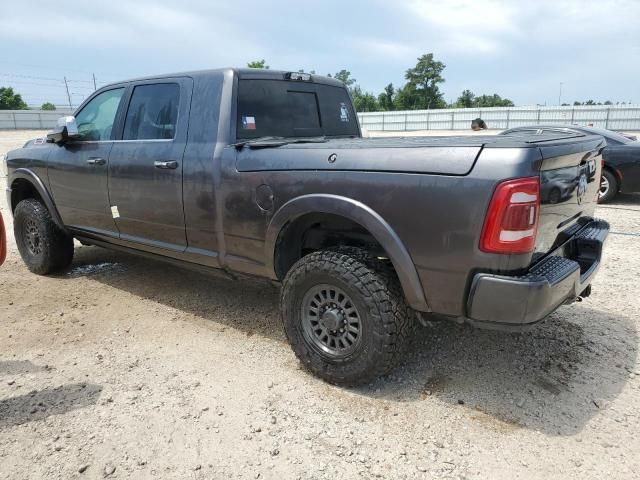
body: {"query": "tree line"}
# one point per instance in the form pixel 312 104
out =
pixel 10 100
pixel 421 90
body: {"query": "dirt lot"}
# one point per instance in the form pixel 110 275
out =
pixel 127 368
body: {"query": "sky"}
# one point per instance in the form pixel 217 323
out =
pixel 521 50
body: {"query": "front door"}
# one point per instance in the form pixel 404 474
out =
pixel 145 167
pixel 78 169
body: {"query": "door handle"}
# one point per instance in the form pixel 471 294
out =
pixel 96 161
pixel 166 165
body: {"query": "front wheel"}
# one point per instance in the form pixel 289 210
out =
pixel 344 315
pixel 43 246
pixel 608 187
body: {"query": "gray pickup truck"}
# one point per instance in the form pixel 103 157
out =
pixel 266 173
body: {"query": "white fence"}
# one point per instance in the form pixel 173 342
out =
pixel 614 117
pixel 30 119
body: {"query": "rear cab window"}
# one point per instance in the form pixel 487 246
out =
pixel 282 108
pixel 152 112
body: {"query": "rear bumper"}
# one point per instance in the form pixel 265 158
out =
pixel 515 303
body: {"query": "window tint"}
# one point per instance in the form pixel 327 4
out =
pixel 95 120
pixel 153 112
pixel 304 108
pixel 293 109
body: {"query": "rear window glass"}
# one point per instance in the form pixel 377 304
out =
pixel 153 112
pixel 293 109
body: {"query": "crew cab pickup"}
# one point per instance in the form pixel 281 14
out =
pixel 266 173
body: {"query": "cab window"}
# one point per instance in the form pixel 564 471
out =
pixel 95 121
pixel 152 112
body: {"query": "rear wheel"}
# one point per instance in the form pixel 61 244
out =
pixel 344 315
pixel 608 187
pixel 43 246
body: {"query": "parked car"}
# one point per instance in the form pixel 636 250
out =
pixel 621 172
pixel 556 186
pixel 265 173
pixel 628 136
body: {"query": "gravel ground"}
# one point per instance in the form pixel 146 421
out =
pixel 128 368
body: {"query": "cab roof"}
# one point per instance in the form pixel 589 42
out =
pixel 242 73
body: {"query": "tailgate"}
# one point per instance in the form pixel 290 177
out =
pixel 569 185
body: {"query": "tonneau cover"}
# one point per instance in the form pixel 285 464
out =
pixel 431 155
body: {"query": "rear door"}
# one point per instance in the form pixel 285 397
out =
pixel 145 167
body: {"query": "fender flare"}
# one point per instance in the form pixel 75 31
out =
pixel 28 175
pixel 364 216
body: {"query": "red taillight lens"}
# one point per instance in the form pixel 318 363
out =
pixel 512 219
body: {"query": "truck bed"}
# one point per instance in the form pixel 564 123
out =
pixel 431 155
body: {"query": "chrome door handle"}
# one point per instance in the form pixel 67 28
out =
pixel 166 165
pixel 96 161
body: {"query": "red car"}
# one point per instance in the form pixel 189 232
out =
pixel 3 241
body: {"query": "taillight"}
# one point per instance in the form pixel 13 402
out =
pixel 512 218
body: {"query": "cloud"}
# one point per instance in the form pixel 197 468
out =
pixel 521 49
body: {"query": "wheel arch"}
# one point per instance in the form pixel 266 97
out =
pixel 360 214
pixel 26 184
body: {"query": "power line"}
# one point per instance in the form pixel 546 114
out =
pixel 49 67
pixel 30 77
pixel 21 82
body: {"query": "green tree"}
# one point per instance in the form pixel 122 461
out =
pixel 608 102
pixel 465 100
pixel 9 100
pixel 387 97
pixel 422 88
pixel 364 101
pixel 48 106
pixel 494 100
pixel 345 77
pixel 258 64
pixel 406 98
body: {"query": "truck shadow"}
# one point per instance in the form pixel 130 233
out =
pixel 40 404
pixel 15 367
pixel 553 378
pixel 250 304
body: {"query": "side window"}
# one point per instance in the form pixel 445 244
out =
pixel 153 112
pixel 95 120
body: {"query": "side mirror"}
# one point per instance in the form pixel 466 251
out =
pixel 66 129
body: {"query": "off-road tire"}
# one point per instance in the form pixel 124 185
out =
pixel 373 287
pixel 53 250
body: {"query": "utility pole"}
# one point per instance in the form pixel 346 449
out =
pixel 94 81
pixel 68 94
pixel 560 95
